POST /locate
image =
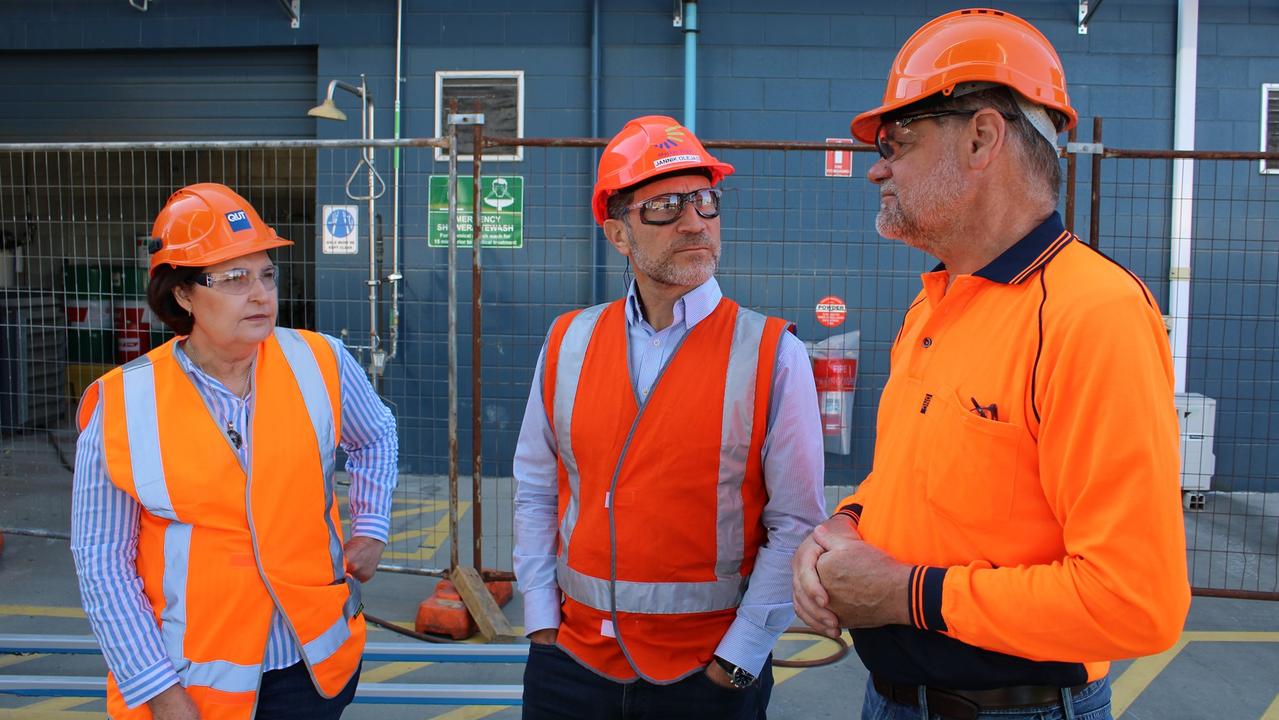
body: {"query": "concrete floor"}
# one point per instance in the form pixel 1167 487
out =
pixel 1226 665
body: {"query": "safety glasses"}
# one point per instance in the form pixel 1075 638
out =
pixel 894 136
pixel 666 209
pixel 238 281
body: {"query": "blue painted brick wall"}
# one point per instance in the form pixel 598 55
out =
pixel 793 72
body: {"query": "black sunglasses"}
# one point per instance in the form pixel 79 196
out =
pixel 893 134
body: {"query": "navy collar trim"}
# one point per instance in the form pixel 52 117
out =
pixel 1029 254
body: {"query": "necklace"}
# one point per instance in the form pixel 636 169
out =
pixel 248 374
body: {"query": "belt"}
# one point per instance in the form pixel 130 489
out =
pixel 968 704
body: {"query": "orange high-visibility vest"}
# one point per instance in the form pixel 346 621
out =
pixel 659 500
pixel 222 545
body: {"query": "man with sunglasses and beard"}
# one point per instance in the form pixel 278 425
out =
pixel 669 463
pixel 1021 524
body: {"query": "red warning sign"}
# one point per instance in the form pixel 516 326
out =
pixel 831 311
pixel 839 163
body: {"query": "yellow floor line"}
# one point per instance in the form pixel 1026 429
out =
pixel 1272 712
pixel 818 649
pixel 389 671
pixel 1230 636
pixel 1138 677
pixel 52 709
pixel 470 712
pixel 7 660
pixel 42 611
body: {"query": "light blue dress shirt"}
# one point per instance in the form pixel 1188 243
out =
pixel 104 524
pixel 793 466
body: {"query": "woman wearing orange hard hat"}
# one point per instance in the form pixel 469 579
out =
pixel 205 527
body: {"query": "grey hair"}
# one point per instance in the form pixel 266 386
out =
pixel 1038 154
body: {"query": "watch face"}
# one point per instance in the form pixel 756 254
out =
pixel 741 678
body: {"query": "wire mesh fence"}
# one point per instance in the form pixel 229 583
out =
pixel 796 243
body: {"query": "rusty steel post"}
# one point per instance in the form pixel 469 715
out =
pixel 1070 182
pixel 477 315
pixel 1094 212
pixel 452 312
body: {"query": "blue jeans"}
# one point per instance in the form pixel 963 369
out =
pixel 289 694
pixel 1090 703
pixel 556 687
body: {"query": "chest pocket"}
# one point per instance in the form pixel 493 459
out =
pixel 969 463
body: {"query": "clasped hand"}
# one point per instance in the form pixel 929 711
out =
pixel 839 581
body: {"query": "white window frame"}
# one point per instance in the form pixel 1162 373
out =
pixel 441 129
pixel 1266 90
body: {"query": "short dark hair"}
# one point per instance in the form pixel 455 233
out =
pixel 160 297
pixel 618 201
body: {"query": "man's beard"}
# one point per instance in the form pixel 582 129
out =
pixel 922 216
pixel 664 269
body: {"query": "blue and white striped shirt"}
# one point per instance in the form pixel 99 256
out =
pixel 104 524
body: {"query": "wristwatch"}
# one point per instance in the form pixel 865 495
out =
pixel 737 675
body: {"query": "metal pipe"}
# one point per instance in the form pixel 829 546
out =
pixel 477 364
pixel 1183 189
pixel 1094 207
pixel 376 355
pixel 1071 172
pixel 599 248
pixel 690 65
pixel 452 312
pixel 395 275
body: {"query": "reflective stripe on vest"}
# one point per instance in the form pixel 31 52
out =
pixel 608 594
pixel 144 437
pixel 316 396
pixel 572 355
pixel 149 480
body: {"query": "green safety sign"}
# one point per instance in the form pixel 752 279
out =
pixel 501 211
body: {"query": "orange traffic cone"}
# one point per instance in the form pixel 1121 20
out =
pixel 444 613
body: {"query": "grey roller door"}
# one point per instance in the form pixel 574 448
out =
pixel 157 94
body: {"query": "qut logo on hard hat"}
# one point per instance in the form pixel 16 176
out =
pixel 239 221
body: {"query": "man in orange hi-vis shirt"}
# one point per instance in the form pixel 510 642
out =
pixel 1021 525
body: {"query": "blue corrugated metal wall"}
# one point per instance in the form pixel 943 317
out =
pixel 766 71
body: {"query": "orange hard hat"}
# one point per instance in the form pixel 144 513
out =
pixel 977 45
pixel 205 224
pixel 648 147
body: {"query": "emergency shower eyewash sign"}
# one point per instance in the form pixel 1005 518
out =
pixel 501 212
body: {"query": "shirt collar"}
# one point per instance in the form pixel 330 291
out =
pixel 1029 254
pixel 692 308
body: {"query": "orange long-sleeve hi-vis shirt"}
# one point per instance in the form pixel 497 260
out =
pixel 1026 462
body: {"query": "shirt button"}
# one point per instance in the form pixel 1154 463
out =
pixel 928 342
pixel 656 343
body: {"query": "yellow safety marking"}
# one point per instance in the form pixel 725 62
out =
pixel 1125 689
pixel 818 649
pixel 7 660
pixel 1229 636
pixel 471 712
pixel 42 611
pixel 52 709
pixel 389 671
pixel 1272 712
pixel 428 548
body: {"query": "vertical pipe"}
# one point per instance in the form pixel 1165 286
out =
pixel 453 489
pixel 366 132
pixel 598 248
pixel 395 276
pixel 1071 172
pixel 690 65
pixel 1094 209
pixel 477 365
pixel 1183 188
